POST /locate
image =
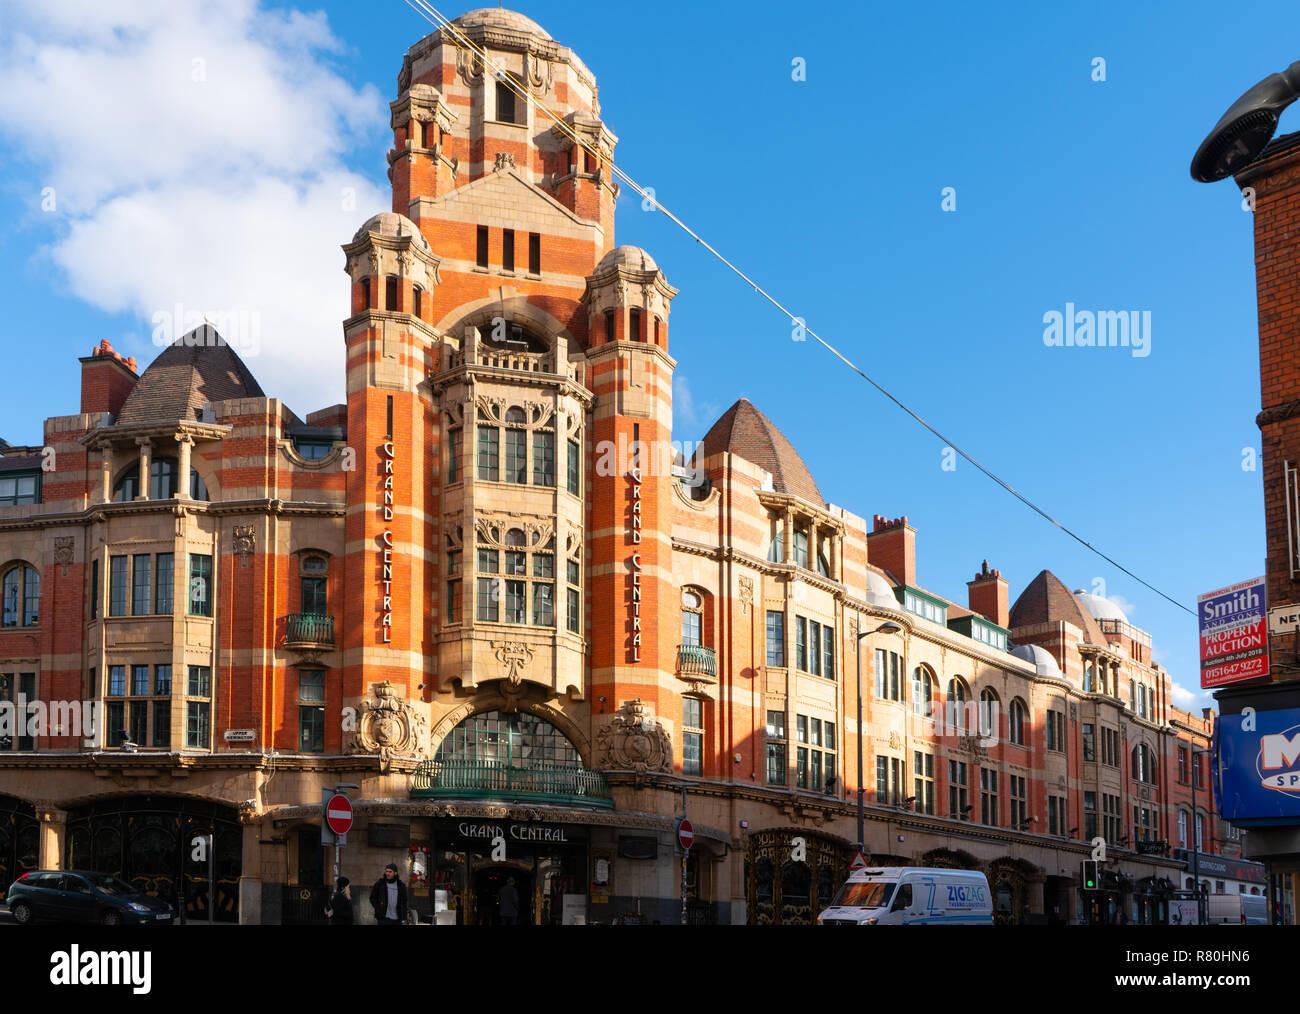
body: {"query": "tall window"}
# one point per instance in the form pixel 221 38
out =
pixel 957 696
pixel 141 578
pixel 801 643
pixel 776 545
pixel 1200 826
pixel 890 780
pixel 506 103
pixel 1016 722
pixel 16 688
pixel 1143 824
pixel 776 747
pixel 455 449
pixel 390 292
pixel 489 453
pixel 1198 779
pixel 482 257
pixel 692 618
pixel 508 250
pixel 1182 829
pixel 21 597
pixel 311 711
pixel 958 791
pixel 575 468
pixel 516 446
pixel 1019 798
pixel 692 736
pixel 1110 817
pixel 609 325
pixel 487 607
pixel 575 596
pixel 314 585
pixel 200 584
pixel 988 713
pixel 1144 767
pixel 534 253
pixel 1089 742
pixel 1089 816
pixel 989 796
pixel 923 776
pixel 417 295
pixel 198 708
pixel 889 675
pixel 775 637
pixel 164 584
pixel 94 589
pixel 1087 677
pixel 815 647
pixel 543 458
pixel 922 692
pixel 828 652
pixel 1056 815
pixel 1056 731
pixel 1182 765
pixel 1110 746
pixel 634 325
pixel 801 548
pixel 815 756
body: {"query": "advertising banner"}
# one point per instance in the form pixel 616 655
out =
pixel 1234 634
pixel 1257 756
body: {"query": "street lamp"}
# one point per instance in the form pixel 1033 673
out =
pixel 1196 844
pixel 1248 125
pixel 888 627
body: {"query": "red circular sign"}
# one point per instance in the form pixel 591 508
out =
pixel 338 814
pixel 685 834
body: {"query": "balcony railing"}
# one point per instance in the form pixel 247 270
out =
pixel 480 779
pixel 523 362
pixel 696 660
pixel 309 630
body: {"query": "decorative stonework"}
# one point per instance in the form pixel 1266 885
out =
pixel 491 530
pixel 634 741
pixel 505 160
pixel 515 658
pixel 245 541
pixel 895 743
pixel 63 551
pixel 973 746
pixel 389 726
pixel 746 594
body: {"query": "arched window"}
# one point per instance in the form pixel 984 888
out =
pixel 957 697
pixel 922 692
pixel 1182 829
pixel 988 715
pixel 21 597
pixel 692 617
pixel 1144 764
pixel 1016 722
pixel 518 740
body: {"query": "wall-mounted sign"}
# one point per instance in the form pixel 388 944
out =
pixel 240 735
pixel 1234 634
pixel 1257 756
pixel 386 555
pixel 514 832
pixel 388 836
pixel 1284 619
pixel 634 535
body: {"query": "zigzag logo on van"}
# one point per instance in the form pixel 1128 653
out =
pixel 1280 753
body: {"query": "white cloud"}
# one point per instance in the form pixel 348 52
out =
pixel 1188 700
pixel 196 154
pixel 1128 607
pixel 690 419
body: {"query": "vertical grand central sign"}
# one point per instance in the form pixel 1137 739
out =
pixel 634 536
pixel 386 554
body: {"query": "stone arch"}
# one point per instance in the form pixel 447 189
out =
pixel 951 859
pixel 516 309
pixel 497 701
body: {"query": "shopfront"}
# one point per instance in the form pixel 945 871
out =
pixel 458 876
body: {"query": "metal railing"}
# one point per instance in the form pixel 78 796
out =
pixel 309 628
pixel 561 783
pixel 696 660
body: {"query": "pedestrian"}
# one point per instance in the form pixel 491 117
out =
pixel 388 898
pixel 340 910
pixel 508 903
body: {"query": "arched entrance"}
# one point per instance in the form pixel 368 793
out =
pixel 1009 881
pixel 951 859
pixel 18 840
pixel 783 891
pixel 148 841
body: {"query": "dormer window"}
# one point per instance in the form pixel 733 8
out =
pixel 20 488
pixel 511 108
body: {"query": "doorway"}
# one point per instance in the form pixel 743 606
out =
pixel 487 888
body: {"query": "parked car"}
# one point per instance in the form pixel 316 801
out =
pixel 78 896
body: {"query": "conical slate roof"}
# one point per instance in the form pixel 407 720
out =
pixel 748 433
pixel 1046 599
pixel 194 371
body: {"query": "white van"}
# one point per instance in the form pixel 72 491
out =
pixel 911 895
pixel 1237 910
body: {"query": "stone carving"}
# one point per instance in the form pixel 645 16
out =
pixel 974 746
pixel 491 530
pixel 63 551
pixel 895 743
pixel 505 160
pixel 540 77
pixel 245 542
pixel 490 409
pixel 634 741
pixel 388 726
pixel 515 658
pixel 746 593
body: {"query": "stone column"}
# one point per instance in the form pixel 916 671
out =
pixel 146 461
pixel 787 554
pixel 107 478
pixel 186 444
pixel 52 836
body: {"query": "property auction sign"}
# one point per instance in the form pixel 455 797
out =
pixel 1234 634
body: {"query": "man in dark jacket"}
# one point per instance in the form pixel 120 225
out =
pixel 508 903
pixel 388 898
pixel 340 910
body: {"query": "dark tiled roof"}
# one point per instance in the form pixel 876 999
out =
pixel 748 433
pixel 1047 600
pixel 197 369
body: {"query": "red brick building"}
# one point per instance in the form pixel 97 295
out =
pixel 491 592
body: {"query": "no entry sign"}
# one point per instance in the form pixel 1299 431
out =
pixel 685 834
pixel 338 814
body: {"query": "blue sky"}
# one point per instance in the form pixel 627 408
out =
pixel 217 154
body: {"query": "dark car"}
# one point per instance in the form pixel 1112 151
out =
pixel 77 896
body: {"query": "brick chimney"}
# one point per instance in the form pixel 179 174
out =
pixel 987 595
pixel 106 380
pixel 891 545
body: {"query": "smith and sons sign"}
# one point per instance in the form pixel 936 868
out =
pixel 1234 634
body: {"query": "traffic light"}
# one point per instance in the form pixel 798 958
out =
pixel 1091 876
